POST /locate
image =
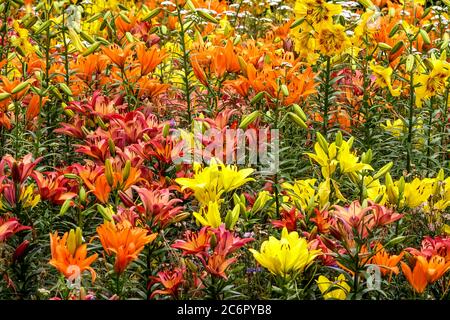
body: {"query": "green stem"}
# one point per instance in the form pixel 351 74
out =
pixel 67 75
pixel 16 129
pixel 119 286
pixel 326 102
pixel 410 120
pixel 444 128
pixel 187 88
pixel 430 121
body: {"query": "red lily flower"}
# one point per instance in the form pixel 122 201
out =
pixel 170 280
pixel 196 242
pixel 10 227
pixel 288 220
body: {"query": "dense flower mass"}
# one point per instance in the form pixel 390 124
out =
pixel 212 149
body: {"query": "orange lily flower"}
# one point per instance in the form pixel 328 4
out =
pixel 93 64
pixel 322 220
pixel 122 178
pixel 198 71
pixel 150 88
pixel 387 263
pixel 118 55
pixel 217 264
pixel 95 180
pixel 8 86
pixel 70 256
pixel 34 106
pixel 4 121
pixel 101 189
pixel 425 272
pixel 149 58
pixel 124 26
pixel 124 241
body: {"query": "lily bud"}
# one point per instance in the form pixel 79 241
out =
pixel 409 65
pixel 397 47
pixel 367 4
pixel 65 207
pixel 94 17
pixel 85 130
pixel 109 172
pixel 297 120
pixel 166 130
pixel 126 170
pixel 130 37
pixel 384 46
pixel 338 140
pixel 66 89
pixel 20 87
pixel 20 251
pixel 248 119
pixel 79 236
pixel 151 14
pixel 257 97
pixel 124 17
pixel 232 217
pixel 285 90
pixel 91 49
pixel 322 142
pixel 82 195
pixel 112 147
pixel 383 171
pixel 260 201
pixel 43 26
pixel 87 37
pixel 4 96
pixel 236 199
pixel 425 36
pixel 106 214
pixel 207 16
pixel 72 242
pixel 213 241
pixel 366 157
pixel 394 30
pixel 299 111
pixel 243 65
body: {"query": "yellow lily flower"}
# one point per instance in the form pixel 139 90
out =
pixel 28 197
pixel 332 39
pixel 209 183
pixel 395 127
pixel 22 41
pixel 209 216
pixel 417 192
pixel 383 78
pixel 348 162
pixel 375 190
pixel 316 11
pixel 301 192
pixel 336 290
pixel 232 178
pixel 432 84
pixel 286 256
pixel 325 158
